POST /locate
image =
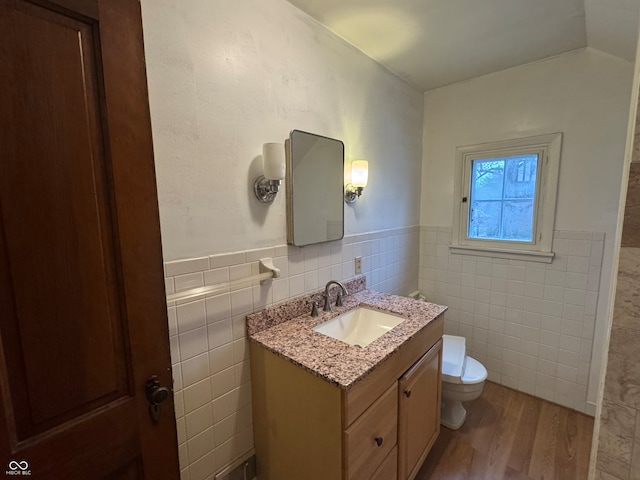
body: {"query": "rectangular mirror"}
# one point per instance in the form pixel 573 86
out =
pixel 315 202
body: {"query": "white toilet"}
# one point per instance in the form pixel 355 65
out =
pixel 462 381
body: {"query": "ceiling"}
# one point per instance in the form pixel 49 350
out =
pixel 432 43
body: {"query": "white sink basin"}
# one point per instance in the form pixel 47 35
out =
pixel 359 326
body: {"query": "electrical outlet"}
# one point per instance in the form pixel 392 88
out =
pixel 358 265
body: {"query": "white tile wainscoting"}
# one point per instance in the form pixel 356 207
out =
pixel 531 324
pixel 211 373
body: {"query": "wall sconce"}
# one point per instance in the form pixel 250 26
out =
pixel 359 176
pixel 267 186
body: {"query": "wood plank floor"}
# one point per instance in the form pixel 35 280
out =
pixel 511 435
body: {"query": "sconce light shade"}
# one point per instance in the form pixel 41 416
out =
pixel 359 178
pixel 359 173
pixel 273 163
pixel 266 186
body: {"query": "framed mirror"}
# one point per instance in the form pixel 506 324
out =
pixel 315 184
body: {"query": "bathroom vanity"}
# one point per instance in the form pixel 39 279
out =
pixel 324 409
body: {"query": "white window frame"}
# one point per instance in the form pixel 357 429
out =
pixel 539 250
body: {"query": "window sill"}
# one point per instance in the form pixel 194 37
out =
pixel 525 255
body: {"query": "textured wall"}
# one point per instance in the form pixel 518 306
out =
pixel 225 77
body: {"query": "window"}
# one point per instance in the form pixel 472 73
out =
pixel 505 195
pixel 502 197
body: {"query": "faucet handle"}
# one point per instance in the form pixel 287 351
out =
pixel 327 302
pixel 339 299
pixel 314 308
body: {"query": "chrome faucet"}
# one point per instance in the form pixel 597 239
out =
pixel 325 295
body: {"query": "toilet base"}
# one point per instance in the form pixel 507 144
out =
pixel 452 414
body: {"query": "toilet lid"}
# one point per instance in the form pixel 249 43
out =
pixel 474 372
pixel 453 358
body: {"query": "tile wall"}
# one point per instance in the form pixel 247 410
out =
pixel 208 348
pixel 618 453
pixel 531 324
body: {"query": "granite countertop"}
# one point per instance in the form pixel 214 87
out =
pixel 293 338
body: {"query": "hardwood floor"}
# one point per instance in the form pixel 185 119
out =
pixel 511 435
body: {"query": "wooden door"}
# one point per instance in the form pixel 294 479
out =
pixel 82 311
pixel 418 412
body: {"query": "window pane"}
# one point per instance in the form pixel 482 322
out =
pixel 502 199
pixel 484 219
pixel 487 179
pixel 520 176
pixel 517 223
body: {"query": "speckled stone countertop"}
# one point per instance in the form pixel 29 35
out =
pixel 293 338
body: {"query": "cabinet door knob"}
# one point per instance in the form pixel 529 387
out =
pixel 407 393
pixel 378 441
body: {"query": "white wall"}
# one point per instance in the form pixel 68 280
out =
pixel 531 324
pixel 585 95
pixel 226 76
pixel 211 371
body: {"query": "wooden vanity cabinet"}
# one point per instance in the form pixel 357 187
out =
pixel 306 428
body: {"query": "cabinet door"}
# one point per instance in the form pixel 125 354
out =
pixel 419 412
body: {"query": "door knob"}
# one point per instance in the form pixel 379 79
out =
pixel 156 394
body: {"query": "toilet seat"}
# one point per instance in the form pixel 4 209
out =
pixel 457 367
pixel 474 372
